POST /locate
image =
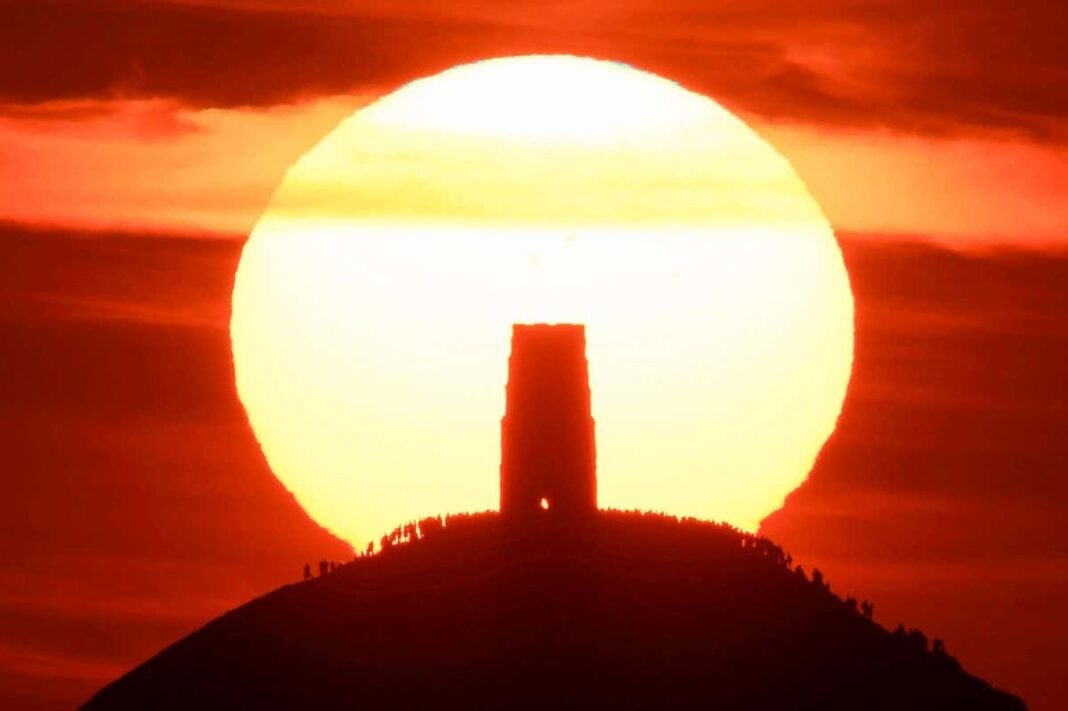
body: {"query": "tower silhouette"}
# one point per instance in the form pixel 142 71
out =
pixel 548 455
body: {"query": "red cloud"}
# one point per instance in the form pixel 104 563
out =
pixel 952 67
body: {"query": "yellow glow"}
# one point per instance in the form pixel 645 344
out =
pixel 374 301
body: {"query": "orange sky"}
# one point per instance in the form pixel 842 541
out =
pixel 937 124
pixel 141 139
pixel 155 164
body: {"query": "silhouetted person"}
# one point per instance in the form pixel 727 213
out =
pixel 430 526
pixel 307 571
pixel 370 547
pixel 322 568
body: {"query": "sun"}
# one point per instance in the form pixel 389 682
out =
pixel 373 303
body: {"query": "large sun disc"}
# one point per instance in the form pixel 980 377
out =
pixel 374 301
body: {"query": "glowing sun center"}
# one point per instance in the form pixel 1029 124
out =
pixel 373 305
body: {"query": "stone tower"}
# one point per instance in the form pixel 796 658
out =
pixel 548 457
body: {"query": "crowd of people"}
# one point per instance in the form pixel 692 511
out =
pixel 406 533
pixel 757 545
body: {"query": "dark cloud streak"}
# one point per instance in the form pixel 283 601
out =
pixel 957 67
pixel 207 56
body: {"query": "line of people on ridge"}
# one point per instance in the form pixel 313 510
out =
pixel 758 545
pixel 411 531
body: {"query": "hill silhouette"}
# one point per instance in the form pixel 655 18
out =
pixel 612 610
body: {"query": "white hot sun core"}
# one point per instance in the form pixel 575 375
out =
pixel 373 305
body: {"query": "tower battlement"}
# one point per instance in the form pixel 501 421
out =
pixel 548 453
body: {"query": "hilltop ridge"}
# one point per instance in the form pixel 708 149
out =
pixel 617 609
